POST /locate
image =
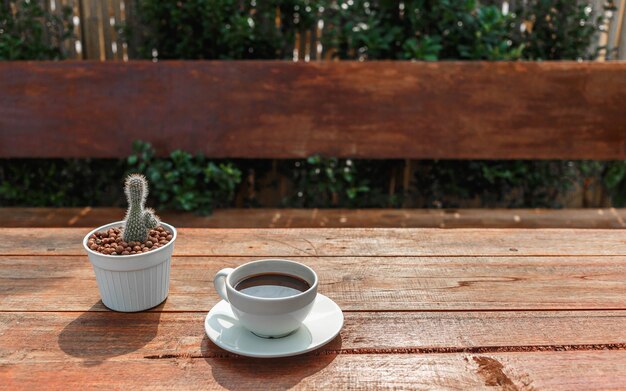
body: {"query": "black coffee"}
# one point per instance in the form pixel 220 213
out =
pixel 272 285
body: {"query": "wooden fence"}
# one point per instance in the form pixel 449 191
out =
pixel 97 24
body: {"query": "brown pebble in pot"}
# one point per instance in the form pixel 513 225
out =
pixel 110 242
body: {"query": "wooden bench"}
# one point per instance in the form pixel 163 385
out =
pixel 280 110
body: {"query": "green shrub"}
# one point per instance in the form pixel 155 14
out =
pixel 514 183
pixel 33 33
pixel 326 182
pixel 557 29
pixel 614 179
pixel 221 29
pixel 60 182
pixel 180 182
pixel 353 29
pixel 420 29
pixel 183 181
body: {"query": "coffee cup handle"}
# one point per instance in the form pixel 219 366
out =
pixel 219 281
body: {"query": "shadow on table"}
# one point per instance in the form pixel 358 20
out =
pixel 96 335
pixel 240 373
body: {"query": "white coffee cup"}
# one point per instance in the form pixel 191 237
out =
pixel 268 317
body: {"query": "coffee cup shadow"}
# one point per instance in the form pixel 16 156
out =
pixel 235 372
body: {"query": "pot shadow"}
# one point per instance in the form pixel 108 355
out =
pixel 96 336
pixel 236 372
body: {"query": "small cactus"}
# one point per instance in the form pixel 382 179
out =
pixel 139 220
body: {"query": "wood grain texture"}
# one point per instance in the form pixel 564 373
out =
pixel 417 110
pixel 304 242
pixel 451 318
pixel 33 283
pixel 603 370
pixel 330 218
pixel 96 337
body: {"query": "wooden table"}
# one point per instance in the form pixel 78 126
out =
pixel 424 308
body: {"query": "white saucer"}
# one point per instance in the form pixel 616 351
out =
pixel 320 327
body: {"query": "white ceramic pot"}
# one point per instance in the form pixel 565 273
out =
pixel 130 283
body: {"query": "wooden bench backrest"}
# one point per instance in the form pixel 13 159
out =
pixel 270 109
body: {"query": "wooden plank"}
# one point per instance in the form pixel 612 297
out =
pixel 92 42
pixel 359 242
pixel 621 46
pixel 106 12
pixel 70 336
pixel 35 283
pixel 602 370
pixel 330 218
pixel 613 32
pixel 417 110
pixel 532 218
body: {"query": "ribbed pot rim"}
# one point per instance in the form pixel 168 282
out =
pixel 126 257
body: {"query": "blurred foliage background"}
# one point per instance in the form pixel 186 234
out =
pixel 29 32
pixel 362 30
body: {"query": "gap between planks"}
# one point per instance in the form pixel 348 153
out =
pixel 273 256
pixel 345 242
pixel 344 311
pixel 423 350
pixel 46 337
